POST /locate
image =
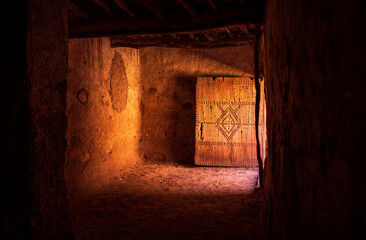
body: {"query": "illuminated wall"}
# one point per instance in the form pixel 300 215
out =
pixel 168 77
pixel 126 105
pixel 103 112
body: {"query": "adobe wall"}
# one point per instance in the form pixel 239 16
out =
pixel 33 103
pixel 168 77
pixel 314 59
pixel 103 111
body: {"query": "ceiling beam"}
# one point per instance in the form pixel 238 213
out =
pixel 187 4
pixel 196 31
pixel 213 4
pixel 183 41
pixel 244 28
pixel 209 36
pixel 105 6
pixel 77 10
pixel 156 7
pixel 122 4
pixel 227 29
pixel 175 36
pixel 177 22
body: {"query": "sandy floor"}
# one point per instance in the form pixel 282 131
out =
pixel 153 201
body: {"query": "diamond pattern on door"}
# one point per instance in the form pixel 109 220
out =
pixel 228 123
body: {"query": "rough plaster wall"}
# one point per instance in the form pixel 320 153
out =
pixel 47 70
pixel 33 153
pixel 168 78
pixel 315 93
pixel 103 112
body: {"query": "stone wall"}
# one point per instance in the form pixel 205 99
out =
pixel 103 111
pixel 33 103
pixel 168 78
pixel 314 57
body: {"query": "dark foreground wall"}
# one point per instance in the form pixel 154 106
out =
pixel 33 121
pixel 316 120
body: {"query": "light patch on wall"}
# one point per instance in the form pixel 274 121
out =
pixel 118 83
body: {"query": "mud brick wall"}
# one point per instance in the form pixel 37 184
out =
pixel 103 111
pixel 314 57
pixel 33 104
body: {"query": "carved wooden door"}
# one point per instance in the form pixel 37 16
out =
pixel 225 122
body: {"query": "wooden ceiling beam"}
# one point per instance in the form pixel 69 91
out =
pixel 173 23
pixel 209 36
pixel 191 35
pixel 188 5
pixel 187 32
pixel 244 28
pixel 105 6
pixel 156 8
pixel 122 4
pixel 77 10
pixel 175 36
pixel 213 4
pixel 227 29
pixel 182 41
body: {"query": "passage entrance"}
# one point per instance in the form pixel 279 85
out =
pixel 225 122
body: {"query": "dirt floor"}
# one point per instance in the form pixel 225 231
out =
pixel 152 201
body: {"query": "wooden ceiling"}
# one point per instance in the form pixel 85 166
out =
pixel 167 23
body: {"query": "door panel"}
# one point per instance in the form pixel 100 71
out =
pixel 225 122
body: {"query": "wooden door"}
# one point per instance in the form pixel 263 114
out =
pixel 225 122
